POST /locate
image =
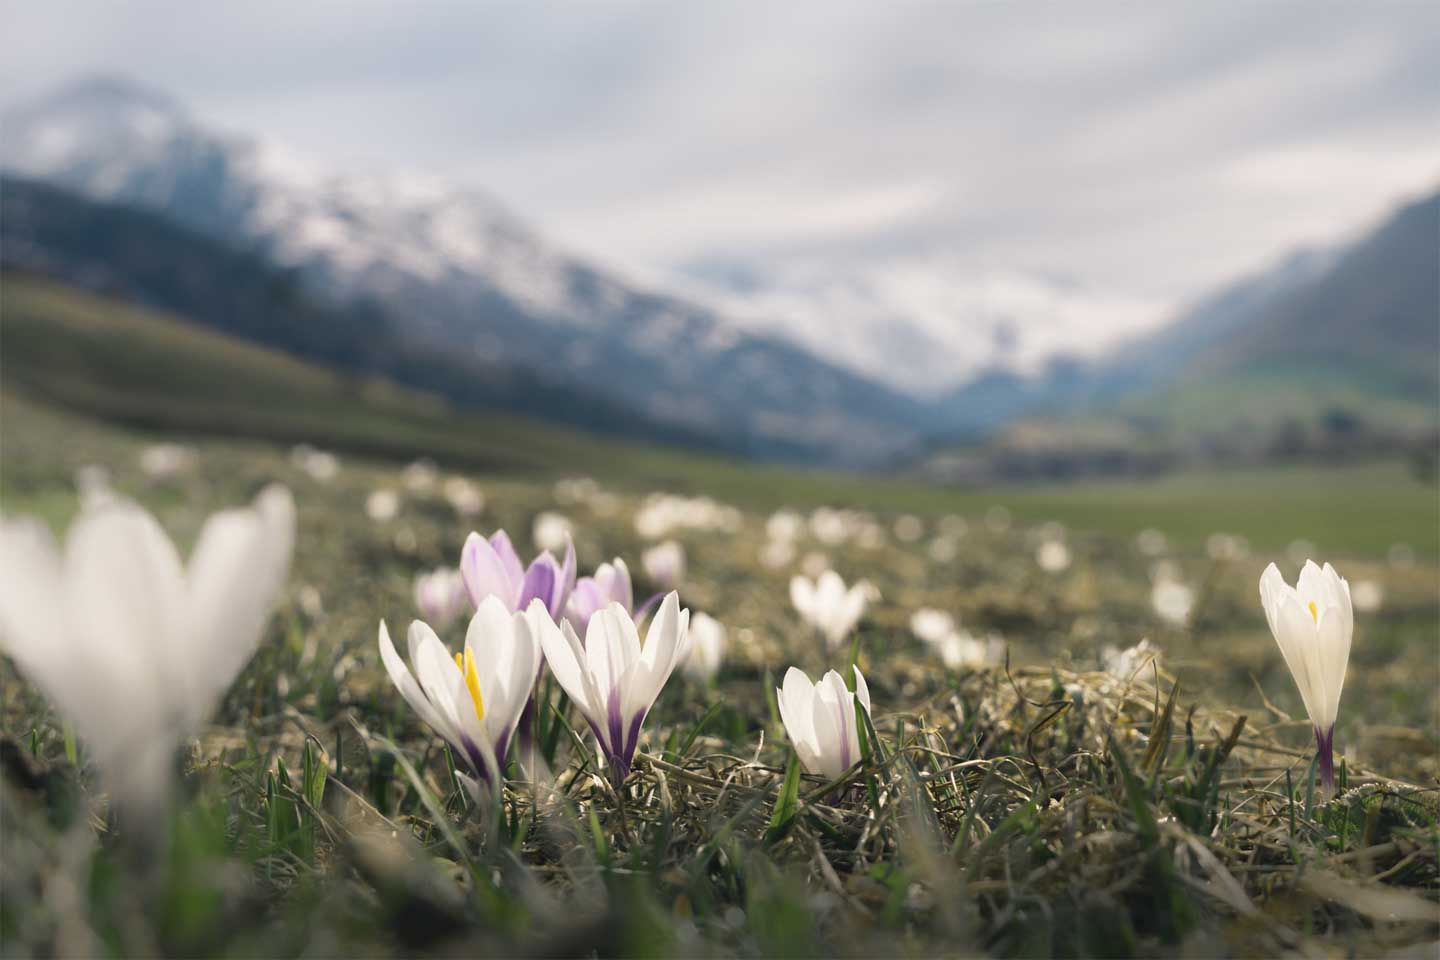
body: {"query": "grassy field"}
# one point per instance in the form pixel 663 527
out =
pixel 1051 807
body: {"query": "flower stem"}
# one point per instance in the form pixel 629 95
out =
pixel 1325 749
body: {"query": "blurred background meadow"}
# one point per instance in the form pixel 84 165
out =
pixel 1054 325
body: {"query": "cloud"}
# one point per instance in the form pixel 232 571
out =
pixel 1140 153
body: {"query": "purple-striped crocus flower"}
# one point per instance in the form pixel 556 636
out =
pixel 492 568
pixel 612 678
pixel 610 584
pixel 820 720
pixel 473 699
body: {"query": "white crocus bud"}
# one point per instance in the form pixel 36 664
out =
pixel 820 720
pixel 1313 623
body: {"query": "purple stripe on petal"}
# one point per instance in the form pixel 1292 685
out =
pixel 539 583
pixel 632 739
pixel 616 723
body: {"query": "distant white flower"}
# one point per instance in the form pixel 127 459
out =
pixel 134 648
pixel 820 720
pixel 1151 542
pixel 707 648
pixel 931 625
pixel 165 461
pixel 1367 595
pixel 1313 623
pixel 320 465
pixel 440 596
pixel 1123 664
pixel 611 678
pixel 1053 556
pixel 944 549
pixel 1226 546
pixel 784 525
pixel 463 496
pixel 814 563
pixel 664 512
pixel 997 519
pixel 960 650
pixel 776 554
pixel 551 531
pixel 664 564
pixel 419 477
pixel 828 606
pixel 474 699
pixel 382 506
pixel 1172 600
pixel 908 528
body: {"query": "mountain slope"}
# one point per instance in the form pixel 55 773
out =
pixel 454 271
pixel 144 257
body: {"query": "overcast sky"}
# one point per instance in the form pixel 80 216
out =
pixel 1145 151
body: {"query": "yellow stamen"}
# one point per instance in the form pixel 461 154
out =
pixel 472 681
pixel 1314 612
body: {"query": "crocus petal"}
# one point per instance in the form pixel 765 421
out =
pixel 566 658
pixel 405 682
pixel 236 570
pixel 862 690
pixel 488 572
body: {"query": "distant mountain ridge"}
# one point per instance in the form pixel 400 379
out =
pixel 454 272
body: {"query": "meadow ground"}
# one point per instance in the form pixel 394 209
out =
pixel 1066 803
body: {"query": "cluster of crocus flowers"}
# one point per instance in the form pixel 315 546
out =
pixel 473 699
pixel 820 720
pixel 611 678
pixel 827 605
pixel 1313 622
pixel 134 647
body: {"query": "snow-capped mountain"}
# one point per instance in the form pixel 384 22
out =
pixel 454 270
pixel 923 324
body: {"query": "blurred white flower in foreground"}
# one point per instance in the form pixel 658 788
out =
pixel 611 678
pixel 551 530
pixel 464 496
pixel 820 720
pixel 440 596
pixel 133 647
pixel 707 648
pixel 828 606
pixel 664 564
pixel 1367 595
pixel 165 461
pixel 382 506
pixel 1053 556
pixel 473 699
pixel 1172 600
pixel 1313 623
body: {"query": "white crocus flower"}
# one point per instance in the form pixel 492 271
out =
pixel 611 678
pixel 820 720
pixel 473 699
pixel 133 647
pixel 707 648
pixel 1313 623
pixel 828 606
